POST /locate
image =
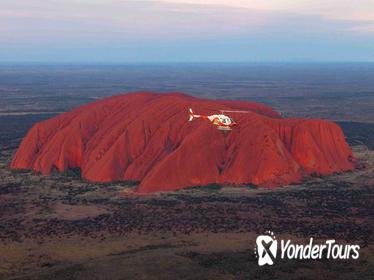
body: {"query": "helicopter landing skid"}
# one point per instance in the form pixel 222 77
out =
pixel 226 128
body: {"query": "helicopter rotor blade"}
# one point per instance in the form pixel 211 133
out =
pixel 233 111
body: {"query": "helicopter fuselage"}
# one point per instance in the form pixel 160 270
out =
pixel 221 121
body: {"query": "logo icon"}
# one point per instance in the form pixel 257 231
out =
pixel 266 247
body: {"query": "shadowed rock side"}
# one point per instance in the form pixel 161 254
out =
pixel 146 137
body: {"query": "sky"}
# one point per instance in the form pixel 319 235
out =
pixel 119 31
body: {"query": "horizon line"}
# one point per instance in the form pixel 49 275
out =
pixel 3 63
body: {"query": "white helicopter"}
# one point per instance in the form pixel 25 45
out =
pixel 222 122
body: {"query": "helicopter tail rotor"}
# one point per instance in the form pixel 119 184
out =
pixel 192 115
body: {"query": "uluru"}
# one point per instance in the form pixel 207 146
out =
pixel 146 137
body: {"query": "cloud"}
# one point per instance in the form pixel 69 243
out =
pixel 158 29
pixel 58 21
pixel 332 9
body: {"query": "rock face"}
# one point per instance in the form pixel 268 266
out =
pixel 146 137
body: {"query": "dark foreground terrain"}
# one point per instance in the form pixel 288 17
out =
pixel 60 227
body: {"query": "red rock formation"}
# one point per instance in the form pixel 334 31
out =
pixel 146 137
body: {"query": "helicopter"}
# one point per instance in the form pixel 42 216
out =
pixel 222 122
